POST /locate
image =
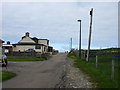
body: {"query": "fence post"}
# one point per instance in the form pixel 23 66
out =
pixel 113 67
pixel 96 61
pixel 84 54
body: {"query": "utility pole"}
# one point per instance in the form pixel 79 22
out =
pixel 89 41
pixel 70 44
pixel 80 40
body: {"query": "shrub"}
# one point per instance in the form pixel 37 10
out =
pixel 45 55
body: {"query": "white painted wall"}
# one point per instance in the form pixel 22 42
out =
pixel 43 42
pixel 23 48
pixel 45 49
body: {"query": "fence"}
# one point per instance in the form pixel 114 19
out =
pixel 33 54
pixel 30 54
pixel 105 61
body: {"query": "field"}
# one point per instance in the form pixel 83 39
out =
pixel 102 74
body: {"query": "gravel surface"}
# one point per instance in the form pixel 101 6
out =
pixel 75 78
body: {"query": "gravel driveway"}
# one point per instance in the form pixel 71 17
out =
pixel 75 78
pixel 56 72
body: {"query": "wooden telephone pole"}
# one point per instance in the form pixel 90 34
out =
pixel 89 41
pixel 70 44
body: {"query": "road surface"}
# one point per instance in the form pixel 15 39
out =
pixel 56 72
pixel 39 74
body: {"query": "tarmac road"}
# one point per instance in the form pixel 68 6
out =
pixel 39 74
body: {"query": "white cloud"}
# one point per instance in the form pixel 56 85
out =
pixel 60 0
pixel 58 22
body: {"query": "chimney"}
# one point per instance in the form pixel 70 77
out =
pixel 27 34
pixel 8 42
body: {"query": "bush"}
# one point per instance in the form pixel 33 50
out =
pixel 45 55
pixel 38 55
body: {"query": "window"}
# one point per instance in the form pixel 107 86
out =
pixel 44 48
pixel 37 47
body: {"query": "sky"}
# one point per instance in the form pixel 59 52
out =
pixel 57 21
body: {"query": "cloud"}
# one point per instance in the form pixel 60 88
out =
pixel 58 22
pixel 60 1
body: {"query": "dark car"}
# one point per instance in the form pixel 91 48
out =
pixel 30 50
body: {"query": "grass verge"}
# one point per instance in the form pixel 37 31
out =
pixel 21 58
pixel 5 75
pixel 97 76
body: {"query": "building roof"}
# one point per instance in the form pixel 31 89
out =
pixel 1 41
pixel 50 46
pixel 28 44
pixel 35 39
pixel 43 39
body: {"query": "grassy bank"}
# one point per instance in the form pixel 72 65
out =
pixel 5 75
pixel 21 58
pixel 101 75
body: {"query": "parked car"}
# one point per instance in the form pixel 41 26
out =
pixel 3 59
pixel 30 50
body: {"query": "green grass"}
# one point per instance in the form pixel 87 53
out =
pixel 5 75
pixel 71 55
pixel 21 58
pixel 101 76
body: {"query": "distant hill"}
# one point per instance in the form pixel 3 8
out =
pixel 108 49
